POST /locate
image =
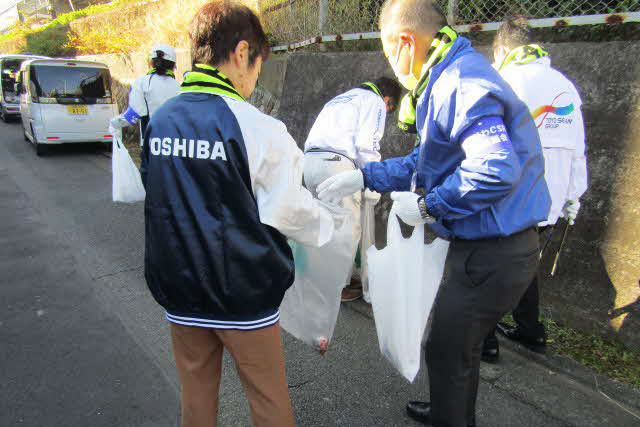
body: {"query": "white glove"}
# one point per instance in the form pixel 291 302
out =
pixel 119 122
pixel 371 196
pixel 117 132
pixel 570 210
pixel 335 188
pixel 116 124
pixel 406 206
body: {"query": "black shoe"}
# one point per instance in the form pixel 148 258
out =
pixel 490 349
pixel 421 412
pixel 537 344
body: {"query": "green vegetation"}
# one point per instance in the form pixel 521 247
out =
pixel 603 356
pixel 62 20
pixel 55 38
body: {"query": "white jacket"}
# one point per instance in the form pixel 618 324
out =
pixel 147 94
pixel 555 105
pixel 351 124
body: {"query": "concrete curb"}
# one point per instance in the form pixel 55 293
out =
pixel 624 395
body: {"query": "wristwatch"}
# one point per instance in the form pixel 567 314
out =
pixel 424 212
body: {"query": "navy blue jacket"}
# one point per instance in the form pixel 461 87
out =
pixel 224 191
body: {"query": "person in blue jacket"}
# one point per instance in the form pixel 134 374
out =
pixel 479 168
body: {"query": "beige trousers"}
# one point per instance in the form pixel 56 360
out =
pixel 259 362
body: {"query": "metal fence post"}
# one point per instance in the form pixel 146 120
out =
pixel 322 16
pixel 452 12
pixel 322 20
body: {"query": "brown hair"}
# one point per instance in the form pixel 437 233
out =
pixel 217 29
pixel 513 33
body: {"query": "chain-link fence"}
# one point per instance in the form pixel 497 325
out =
pixel 482 11
pixel 294 20
pixel 35 7
pixel 52 8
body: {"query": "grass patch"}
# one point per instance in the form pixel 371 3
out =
pixel 606 357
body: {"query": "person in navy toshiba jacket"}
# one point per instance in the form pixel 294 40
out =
pixel 224 192
pixel 481 168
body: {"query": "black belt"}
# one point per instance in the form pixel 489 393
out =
pixel 491 239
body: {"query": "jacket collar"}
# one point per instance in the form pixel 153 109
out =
pixel 167 73
pixel 523 55
pixel 208 79
pixel 370 86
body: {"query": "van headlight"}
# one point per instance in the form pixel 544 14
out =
pixel 106 100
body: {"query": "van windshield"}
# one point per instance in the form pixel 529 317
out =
pixel 52 81
pixel 10 70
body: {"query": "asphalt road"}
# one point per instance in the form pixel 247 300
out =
pixel 82 343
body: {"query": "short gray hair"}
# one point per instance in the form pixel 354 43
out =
pixel 416 15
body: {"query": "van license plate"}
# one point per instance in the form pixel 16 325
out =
pixel 78 110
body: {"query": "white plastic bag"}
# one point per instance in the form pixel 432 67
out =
pixel 368 240
pixel 404 279
pixel 310 307
pixel 127 183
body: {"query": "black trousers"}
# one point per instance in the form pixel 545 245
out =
pixel 483 280
pixel 527 312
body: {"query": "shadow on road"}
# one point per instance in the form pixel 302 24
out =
pixel 75 149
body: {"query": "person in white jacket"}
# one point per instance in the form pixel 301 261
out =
pixel 555 105
pixel 150 91
pixel 345 136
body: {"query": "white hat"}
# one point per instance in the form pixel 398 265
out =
pixel 168 52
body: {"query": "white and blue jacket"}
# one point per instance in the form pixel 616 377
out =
pixel 480 161
pixel 224 192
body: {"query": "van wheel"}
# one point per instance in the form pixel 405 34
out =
pixel 40 149
pixel 24 133
pixel 3 116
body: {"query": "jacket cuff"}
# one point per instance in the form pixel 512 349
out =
pixel 131 116
pixel 435 207
pixel 365 177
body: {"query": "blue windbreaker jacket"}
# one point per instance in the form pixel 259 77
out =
pixel 476 187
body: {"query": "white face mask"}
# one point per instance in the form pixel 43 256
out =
pixel 409 81
pixel 499 57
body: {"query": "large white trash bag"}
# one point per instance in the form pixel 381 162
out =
pixel 404 278
pixel 310 307
pixel 368 240
pixel 127 183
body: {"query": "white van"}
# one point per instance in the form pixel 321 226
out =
pixel 65 101
pixel 9 69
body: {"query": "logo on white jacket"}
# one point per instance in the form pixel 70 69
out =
pixel 564 108
pixel 191 148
